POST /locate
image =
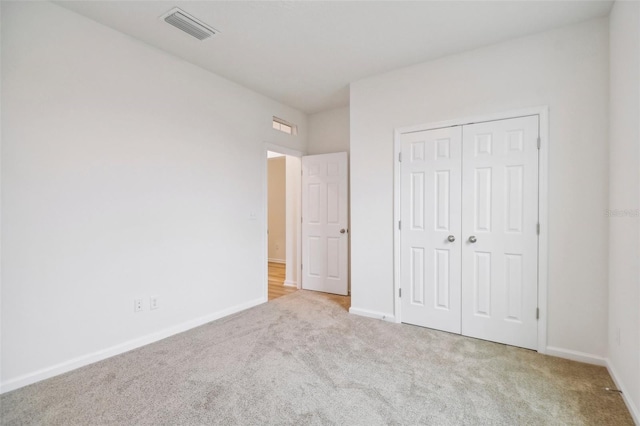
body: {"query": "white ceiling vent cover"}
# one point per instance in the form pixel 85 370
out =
pixel 187 23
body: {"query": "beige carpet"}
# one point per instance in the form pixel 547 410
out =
pixel 303 360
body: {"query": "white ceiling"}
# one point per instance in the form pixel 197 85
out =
pixel 305 54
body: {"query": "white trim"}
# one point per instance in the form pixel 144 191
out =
pixel 268 146
pixel 576 356
pixel 289 283
pixel 543 207
pixel 372 314
pixel 118 349
pixel 474 119
pixel 543 218
pixel 635 411
pixel 281 150
pixel 397 185
pixel 281 261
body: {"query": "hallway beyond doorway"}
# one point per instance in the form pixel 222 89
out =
pixel 276 281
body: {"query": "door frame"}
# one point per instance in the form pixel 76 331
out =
pixel 268 146
pixel 543 206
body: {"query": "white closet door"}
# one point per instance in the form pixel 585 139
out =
pixel 430 228
pixel 499 225
pixel 325 218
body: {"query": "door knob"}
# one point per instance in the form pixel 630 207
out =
pixel 451 238
pixel 472 239
pixel 342 231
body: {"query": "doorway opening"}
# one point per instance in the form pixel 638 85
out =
pixel 283 219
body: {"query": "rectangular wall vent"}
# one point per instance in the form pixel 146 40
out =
pixel 187 23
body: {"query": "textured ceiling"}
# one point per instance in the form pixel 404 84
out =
pixel 305 54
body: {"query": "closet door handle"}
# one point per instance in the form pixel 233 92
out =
pixel 451 238
pixel 472 239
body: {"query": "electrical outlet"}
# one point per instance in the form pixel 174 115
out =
pixel 137 305
pixel 154 303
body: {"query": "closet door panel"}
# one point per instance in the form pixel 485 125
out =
pixel 430 234
pixel 499 231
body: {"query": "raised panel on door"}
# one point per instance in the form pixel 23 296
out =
pixel 430 213
pixel 500 211
pixel 324 223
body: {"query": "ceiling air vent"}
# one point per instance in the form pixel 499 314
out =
pixel 187 23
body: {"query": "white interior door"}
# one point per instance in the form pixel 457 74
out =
pixel 325 238
pixel 468 237
pixel 430 228
pixel 499 224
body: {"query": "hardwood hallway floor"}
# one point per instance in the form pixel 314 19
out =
pixel 276 281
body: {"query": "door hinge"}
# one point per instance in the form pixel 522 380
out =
pixel 538 142
pixel 537 313
pixel 399 224
pixel 400 157
pixel 538 228
pixel 399 292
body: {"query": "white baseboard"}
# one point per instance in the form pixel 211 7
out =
pixel 289 283
pixel 100 355
pixel 284 262
pixel 635 411
pixel 576 356
pixel 372 314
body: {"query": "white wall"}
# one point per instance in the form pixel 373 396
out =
pixel 126 173
pixel 624 200
pixel 566 69
pixel 328 131
pixel 277 195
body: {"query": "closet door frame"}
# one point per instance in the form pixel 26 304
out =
pixel 543 190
